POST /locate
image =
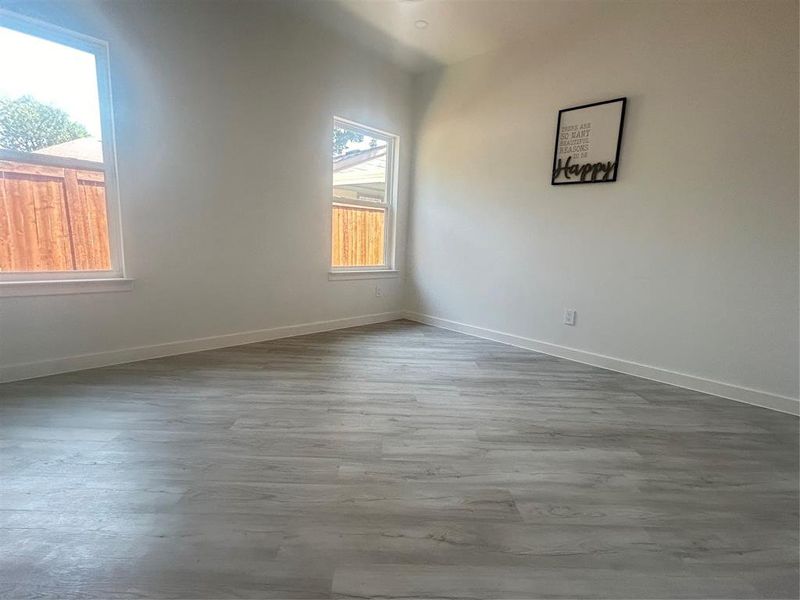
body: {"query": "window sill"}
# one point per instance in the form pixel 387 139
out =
pixel 64 286
pixel 376 274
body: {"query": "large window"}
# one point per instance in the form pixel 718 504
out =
pixel 363 198
pixel 58 208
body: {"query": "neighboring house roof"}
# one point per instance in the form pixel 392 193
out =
pixel 88 148
pixel 360 167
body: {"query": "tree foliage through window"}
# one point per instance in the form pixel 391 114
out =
pixel 342 137
pixel 27 125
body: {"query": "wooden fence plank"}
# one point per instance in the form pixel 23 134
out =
pixel 6 244
pixel 52 226
pixel 87 212
pixel 52 219
pixel 29 169
pixel 357 236
pixel 94 176
pixel 71 197
pixel 23 199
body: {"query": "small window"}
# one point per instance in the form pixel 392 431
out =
pixel 58 209
pixel 363 199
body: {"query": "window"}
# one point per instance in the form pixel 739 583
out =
pixel 59 216
pixel 363 198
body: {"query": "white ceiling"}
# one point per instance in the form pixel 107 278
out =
pixel 457 29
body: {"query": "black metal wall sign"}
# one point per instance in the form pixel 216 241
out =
pixel 588 139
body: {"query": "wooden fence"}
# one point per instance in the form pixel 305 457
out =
pixel 52 218
pixel 357 236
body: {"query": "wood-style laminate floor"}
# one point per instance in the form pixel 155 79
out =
pixel 390 461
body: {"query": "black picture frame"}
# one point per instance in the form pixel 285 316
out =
pixel 624 101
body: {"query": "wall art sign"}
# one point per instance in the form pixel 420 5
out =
pixel 588 140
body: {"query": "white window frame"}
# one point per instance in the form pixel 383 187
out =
pixel 390 206
pixel 70 282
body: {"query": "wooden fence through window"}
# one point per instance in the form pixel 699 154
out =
pixel 358 236
pixel 52 218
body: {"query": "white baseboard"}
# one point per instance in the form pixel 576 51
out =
pixel 15 372
pixel 19 371
pixel 760 398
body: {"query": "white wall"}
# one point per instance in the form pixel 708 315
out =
pixel 689 263
pixel 223 117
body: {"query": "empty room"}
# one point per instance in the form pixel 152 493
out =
pixel 394 299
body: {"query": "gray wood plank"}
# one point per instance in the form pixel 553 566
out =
pixel 393 461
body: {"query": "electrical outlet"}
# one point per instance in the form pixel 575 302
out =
pixel 378 291
pixel 569 316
